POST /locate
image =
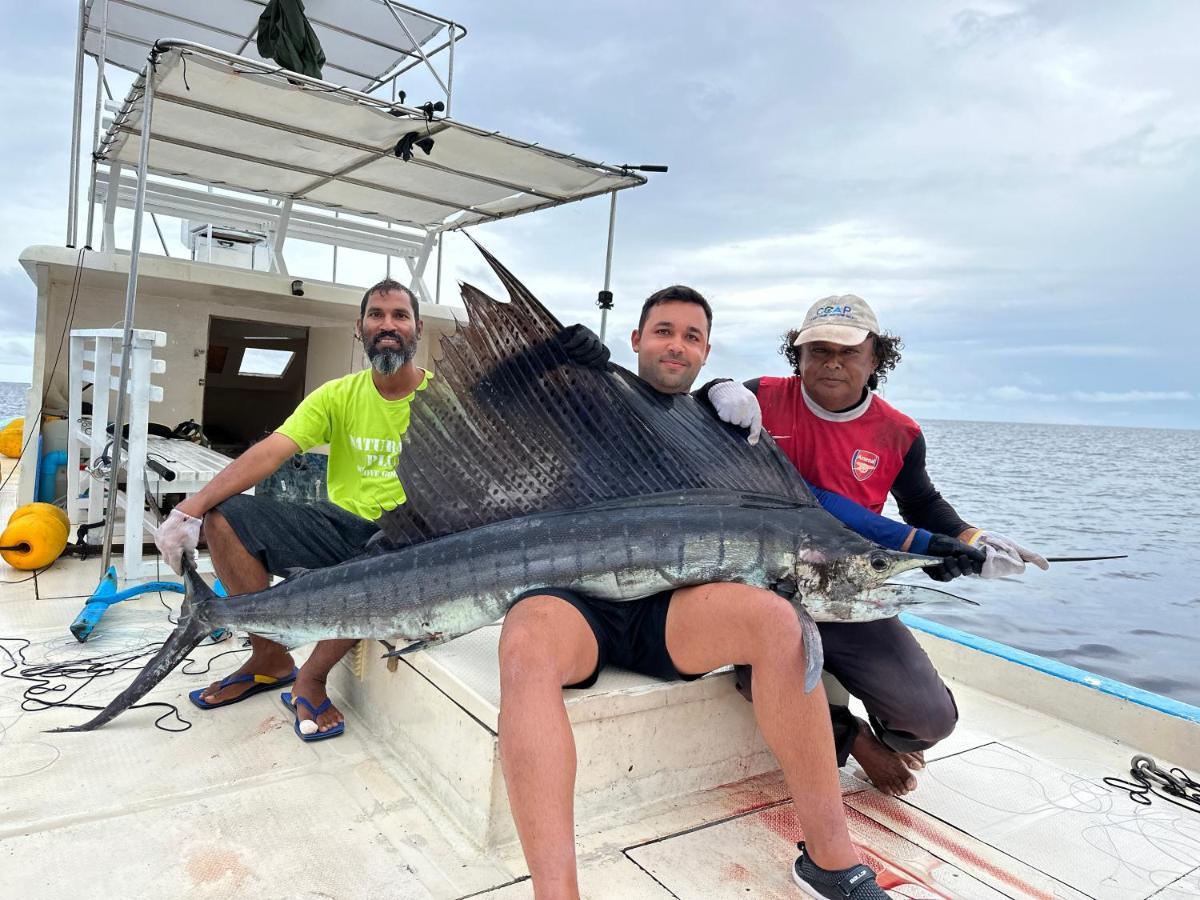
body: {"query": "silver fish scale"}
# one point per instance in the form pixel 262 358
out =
pixel 448 587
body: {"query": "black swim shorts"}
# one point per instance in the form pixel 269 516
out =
pixel 284 535
pixel 631 634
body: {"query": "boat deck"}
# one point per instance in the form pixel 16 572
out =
pixel 1011 805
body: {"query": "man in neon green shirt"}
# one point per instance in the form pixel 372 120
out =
pixel 363 417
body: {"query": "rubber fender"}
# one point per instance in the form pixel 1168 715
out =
pixel 10 438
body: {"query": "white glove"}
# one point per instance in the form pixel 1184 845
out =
pixel 736 404
pixel 179 534
pixel 1004 556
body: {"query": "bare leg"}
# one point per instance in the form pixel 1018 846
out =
pixel 545 644
pixel 310 684
pixel 242 573
pixel 715 625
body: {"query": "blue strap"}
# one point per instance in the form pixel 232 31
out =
pixel 235 679
pixel 314 711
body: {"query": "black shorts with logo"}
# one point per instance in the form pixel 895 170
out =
pixel 631 634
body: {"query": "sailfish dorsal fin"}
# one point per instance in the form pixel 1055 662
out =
pixel 511 426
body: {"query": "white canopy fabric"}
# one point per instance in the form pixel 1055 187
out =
pixel 244 126
pixel 361 38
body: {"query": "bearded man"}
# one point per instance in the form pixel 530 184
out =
pixel 362 417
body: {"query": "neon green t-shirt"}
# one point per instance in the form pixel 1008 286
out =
pixel 363 431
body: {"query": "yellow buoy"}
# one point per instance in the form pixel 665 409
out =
pixel 42 509
pixel 33 539
pixel 10 438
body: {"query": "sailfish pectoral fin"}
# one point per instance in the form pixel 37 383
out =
pixel 814 651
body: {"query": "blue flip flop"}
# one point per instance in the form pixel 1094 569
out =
pixel 261 683
pixel 290 702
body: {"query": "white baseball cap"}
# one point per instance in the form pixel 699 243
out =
pixel 846 320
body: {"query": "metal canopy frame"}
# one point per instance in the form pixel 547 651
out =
pixel 122 33
pixel 232 25
pixel 139 109
pixel 302 140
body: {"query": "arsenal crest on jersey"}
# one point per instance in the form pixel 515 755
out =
pixel 863 464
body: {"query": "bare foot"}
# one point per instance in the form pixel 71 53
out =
pixel 889 771
pixel 277 665
pixel 313 690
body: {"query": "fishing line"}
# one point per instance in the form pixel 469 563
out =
pixel 85 671
pixel 32 577
pixel 40 693
pixel 1091 801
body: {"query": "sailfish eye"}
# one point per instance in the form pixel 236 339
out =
pixel 878 562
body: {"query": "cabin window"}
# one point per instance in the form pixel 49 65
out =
pixel 265 363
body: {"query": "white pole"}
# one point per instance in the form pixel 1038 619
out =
pixel 91 210
pixel 437 298
pixel 612 224
pixel 76 115
pixel 450 72
pixel 139 204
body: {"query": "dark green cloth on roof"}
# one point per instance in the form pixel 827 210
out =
pixel 285 36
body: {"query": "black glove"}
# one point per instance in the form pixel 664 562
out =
pixel 957 558
pixel 583 346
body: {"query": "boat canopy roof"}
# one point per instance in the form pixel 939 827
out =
pixel 225 120
pixel 364 42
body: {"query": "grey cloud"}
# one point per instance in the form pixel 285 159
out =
pixel 1021 185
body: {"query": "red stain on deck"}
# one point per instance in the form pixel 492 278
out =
pixel 270 723
pixel 734 872
pixel 890 874
pixel 206 866
pixel 782 821
pixel 943 838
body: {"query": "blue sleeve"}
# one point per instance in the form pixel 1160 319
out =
pixel 872 526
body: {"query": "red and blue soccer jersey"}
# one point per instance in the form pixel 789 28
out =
pixel 858 453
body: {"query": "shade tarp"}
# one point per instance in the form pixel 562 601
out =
pixel 361 38
pixel 219 123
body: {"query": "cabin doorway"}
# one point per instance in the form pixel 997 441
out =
pixel 254 379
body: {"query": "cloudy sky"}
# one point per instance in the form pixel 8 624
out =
pixel 1014 186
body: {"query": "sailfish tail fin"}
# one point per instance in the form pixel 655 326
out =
pixel 192 628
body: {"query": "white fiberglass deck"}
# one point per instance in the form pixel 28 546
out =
pixel 1011 805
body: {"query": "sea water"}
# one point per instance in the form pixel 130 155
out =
pixel 12 400
pixel 1067 490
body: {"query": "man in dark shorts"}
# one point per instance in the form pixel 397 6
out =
pixel 362 416
pixel 553 639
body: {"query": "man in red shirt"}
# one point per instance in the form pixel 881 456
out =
pixel 845 438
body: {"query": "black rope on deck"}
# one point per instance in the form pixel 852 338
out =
pixel 1151 780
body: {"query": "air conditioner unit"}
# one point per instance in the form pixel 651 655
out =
pixel 227 246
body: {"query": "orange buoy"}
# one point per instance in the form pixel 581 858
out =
pixel 10 438
pixel 34 537
pixel 48 509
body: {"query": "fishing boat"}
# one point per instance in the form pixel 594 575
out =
pixel 677 796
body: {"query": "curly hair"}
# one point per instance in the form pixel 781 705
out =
pixel 887 355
